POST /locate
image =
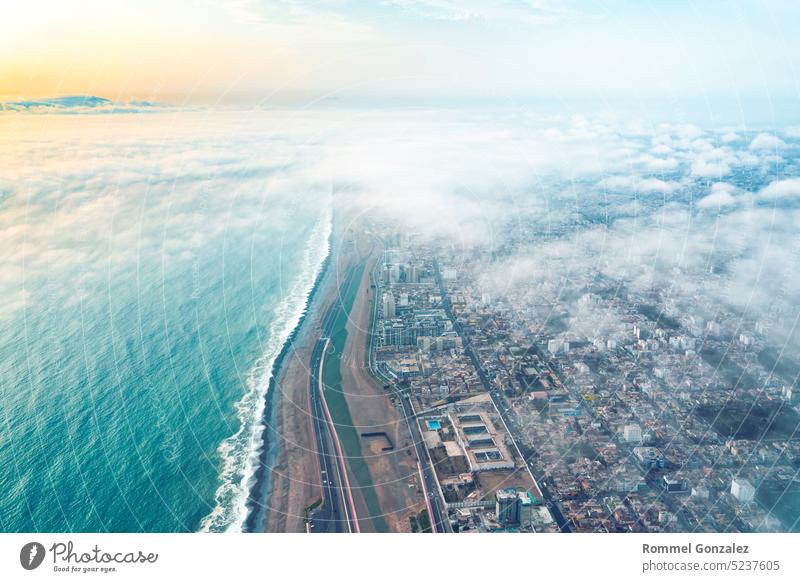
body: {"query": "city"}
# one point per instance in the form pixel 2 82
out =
pixel 651 426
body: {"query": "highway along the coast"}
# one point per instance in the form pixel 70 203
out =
pixel 334 332
pixel 337 513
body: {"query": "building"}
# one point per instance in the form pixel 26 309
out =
pixel 742 490
pixel 449 274
pixel 407 367
pixel 391 274
pixel 507 507
pixel 556 346
pixel 394 333
pixel 527 504
pixel 632 433
pixel 649 457
pixel 482 442
pixel 388 306
pixel 412 274
pixel 447 341
pixel 672 485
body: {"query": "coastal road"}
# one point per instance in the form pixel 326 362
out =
pixel 338 513
pixel 329 517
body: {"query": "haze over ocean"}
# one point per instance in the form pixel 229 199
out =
pixel 152 265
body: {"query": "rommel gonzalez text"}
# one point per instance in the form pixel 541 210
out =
pixel 695 549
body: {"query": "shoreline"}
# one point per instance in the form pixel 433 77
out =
pixel 271 450
pixel 235 501
pixel 286 483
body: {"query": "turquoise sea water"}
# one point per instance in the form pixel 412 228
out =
pixel 151 267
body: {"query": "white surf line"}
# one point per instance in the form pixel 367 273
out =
pixel 236 479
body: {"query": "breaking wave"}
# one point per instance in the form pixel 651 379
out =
pixel 240 451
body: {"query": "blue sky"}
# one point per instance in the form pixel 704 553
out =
pixel 254 50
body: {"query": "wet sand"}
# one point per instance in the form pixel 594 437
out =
pixel 293 470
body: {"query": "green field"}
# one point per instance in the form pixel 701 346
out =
pixel 337 403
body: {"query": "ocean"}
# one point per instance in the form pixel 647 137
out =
pixel 152 267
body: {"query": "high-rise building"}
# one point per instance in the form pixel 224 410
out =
pixel 388 306
pixel 526 508
pixel 394 274
pixel 555 346
pixel 742 490
pixel 507 507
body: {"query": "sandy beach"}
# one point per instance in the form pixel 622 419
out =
pixel 295 473
pixel 294 478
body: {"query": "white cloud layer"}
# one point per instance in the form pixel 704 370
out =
pixel 767 141
pixel 88 194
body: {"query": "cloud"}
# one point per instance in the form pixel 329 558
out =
pixel 467 178
pixel 662 149
pixel 767 141
pixel 714 163
pixel 85 203
pixel 721 194
pixel 465 10
pixel 694 265
pixel 655 185
pixel 644 186
pixel 781 189
pixel 655 164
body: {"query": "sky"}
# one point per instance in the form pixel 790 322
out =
pixel 265 51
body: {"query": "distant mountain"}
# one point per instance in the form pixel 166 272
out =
pixel 68 101
pixel 77 104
